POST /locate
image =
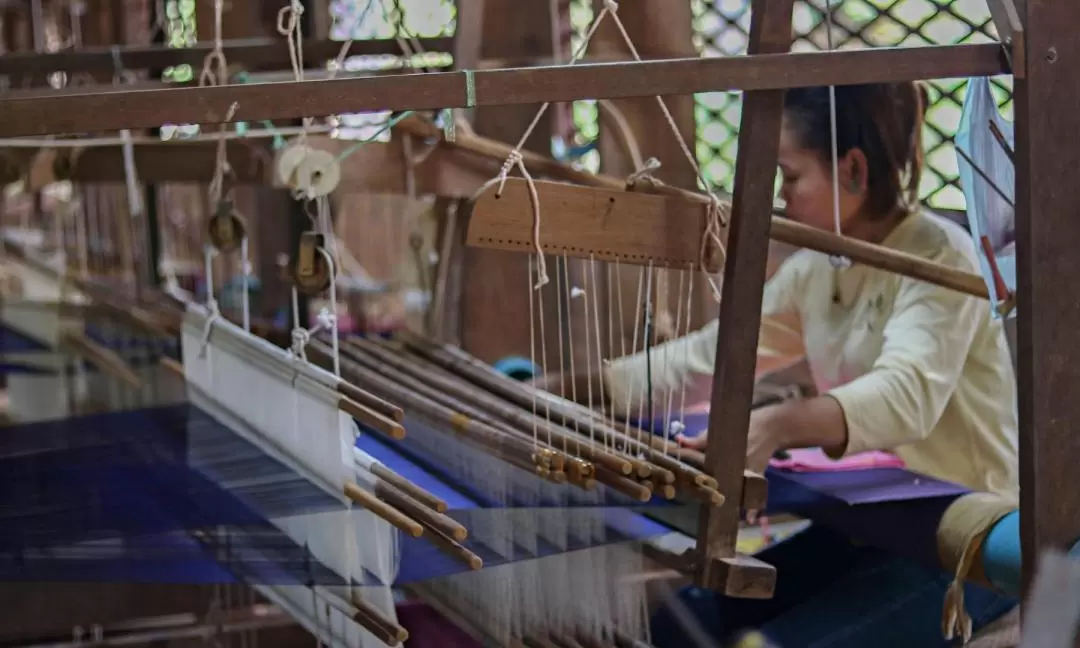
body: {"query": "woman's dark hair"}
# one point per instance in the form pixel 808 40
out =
pixel 884 120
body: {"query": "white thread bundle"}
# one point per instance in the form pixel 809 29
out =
pixel 292 411
pixel 568 592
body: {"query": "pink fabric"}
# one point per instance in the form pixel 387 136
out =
pixel 815 460
pixel 428 629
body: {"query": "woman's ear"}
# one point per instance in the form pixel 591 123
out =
pixel 853 176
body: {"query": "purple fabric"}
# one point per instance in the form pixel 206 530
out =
pixel 853 487
pixel 872 486
pixel 428 629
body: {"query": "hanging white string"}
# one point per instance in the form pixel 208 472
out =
pixel 245 298
pixel 838 262
pixel 514 159
pixel 209 252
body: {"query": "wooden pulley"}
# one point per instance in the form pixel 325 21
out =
pixel 310 271
pixel 227 228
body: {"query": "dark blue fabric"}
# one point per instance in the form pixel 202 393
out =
pixel 831 594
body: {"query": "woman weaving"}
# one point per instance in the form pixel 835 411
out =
pixel 900 365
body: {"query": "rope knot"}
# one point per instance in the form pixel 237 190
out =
pixel 611 5
pixel 840 262
pixel 208 328
pixel 515 158
pixel 301 337
pixel 651 165
pixel 326 320
pixel 675 428
pixel 289 17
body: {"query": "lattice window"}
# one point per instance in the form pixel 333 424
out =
pixel 370 19
pixel 721 28
pixel 180 31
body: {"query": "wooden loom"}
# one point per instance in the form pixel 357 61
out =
pixel 746 236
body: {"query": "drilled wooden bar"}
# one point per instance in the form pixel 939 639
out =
pixel 150 108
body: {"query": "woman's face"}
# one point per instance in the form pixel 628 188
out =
pixel 807 187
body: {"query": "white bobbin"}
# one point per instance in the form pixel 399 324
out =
pixel 308 170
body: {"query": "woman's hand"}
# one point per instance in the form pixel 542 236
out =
pixel 763 439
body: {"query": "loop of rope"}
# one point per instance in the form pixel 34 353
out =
pixel 644 172
pixel 515 159
pixel 289 26
pixel 301 337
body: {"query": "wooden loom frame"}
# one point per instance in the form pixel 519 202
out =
pixel 1041 55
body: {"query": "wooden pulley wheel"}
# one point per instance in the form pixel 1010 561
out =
pixel 310 271
pixel 227 228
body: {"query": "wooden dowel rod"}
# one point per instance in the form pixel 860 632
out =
pixel 624 485
pixel 378 624
pixel 417 511
pixel 372 419
pixel 171 365
pixel 406 486
pixel 395 517
pixel 106 360
pixel 371 401
pixel 454 549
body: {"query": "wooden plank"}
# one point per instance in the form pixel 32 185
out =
pixel 740 318
pixel 1047 237
pixel 587 222
pixel 255 102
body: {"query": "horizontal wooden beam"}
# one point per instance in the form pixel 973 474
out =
pixel 252 54
pixel 251 102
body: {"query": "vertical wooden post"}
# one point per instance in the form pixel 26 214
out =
pixel 1048 237
pixel 740 316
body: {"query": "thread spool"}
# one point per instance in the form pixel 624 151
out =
pixel 309 171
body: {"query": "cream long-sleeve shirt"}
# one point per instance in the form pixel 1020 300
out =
pixel 919 370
